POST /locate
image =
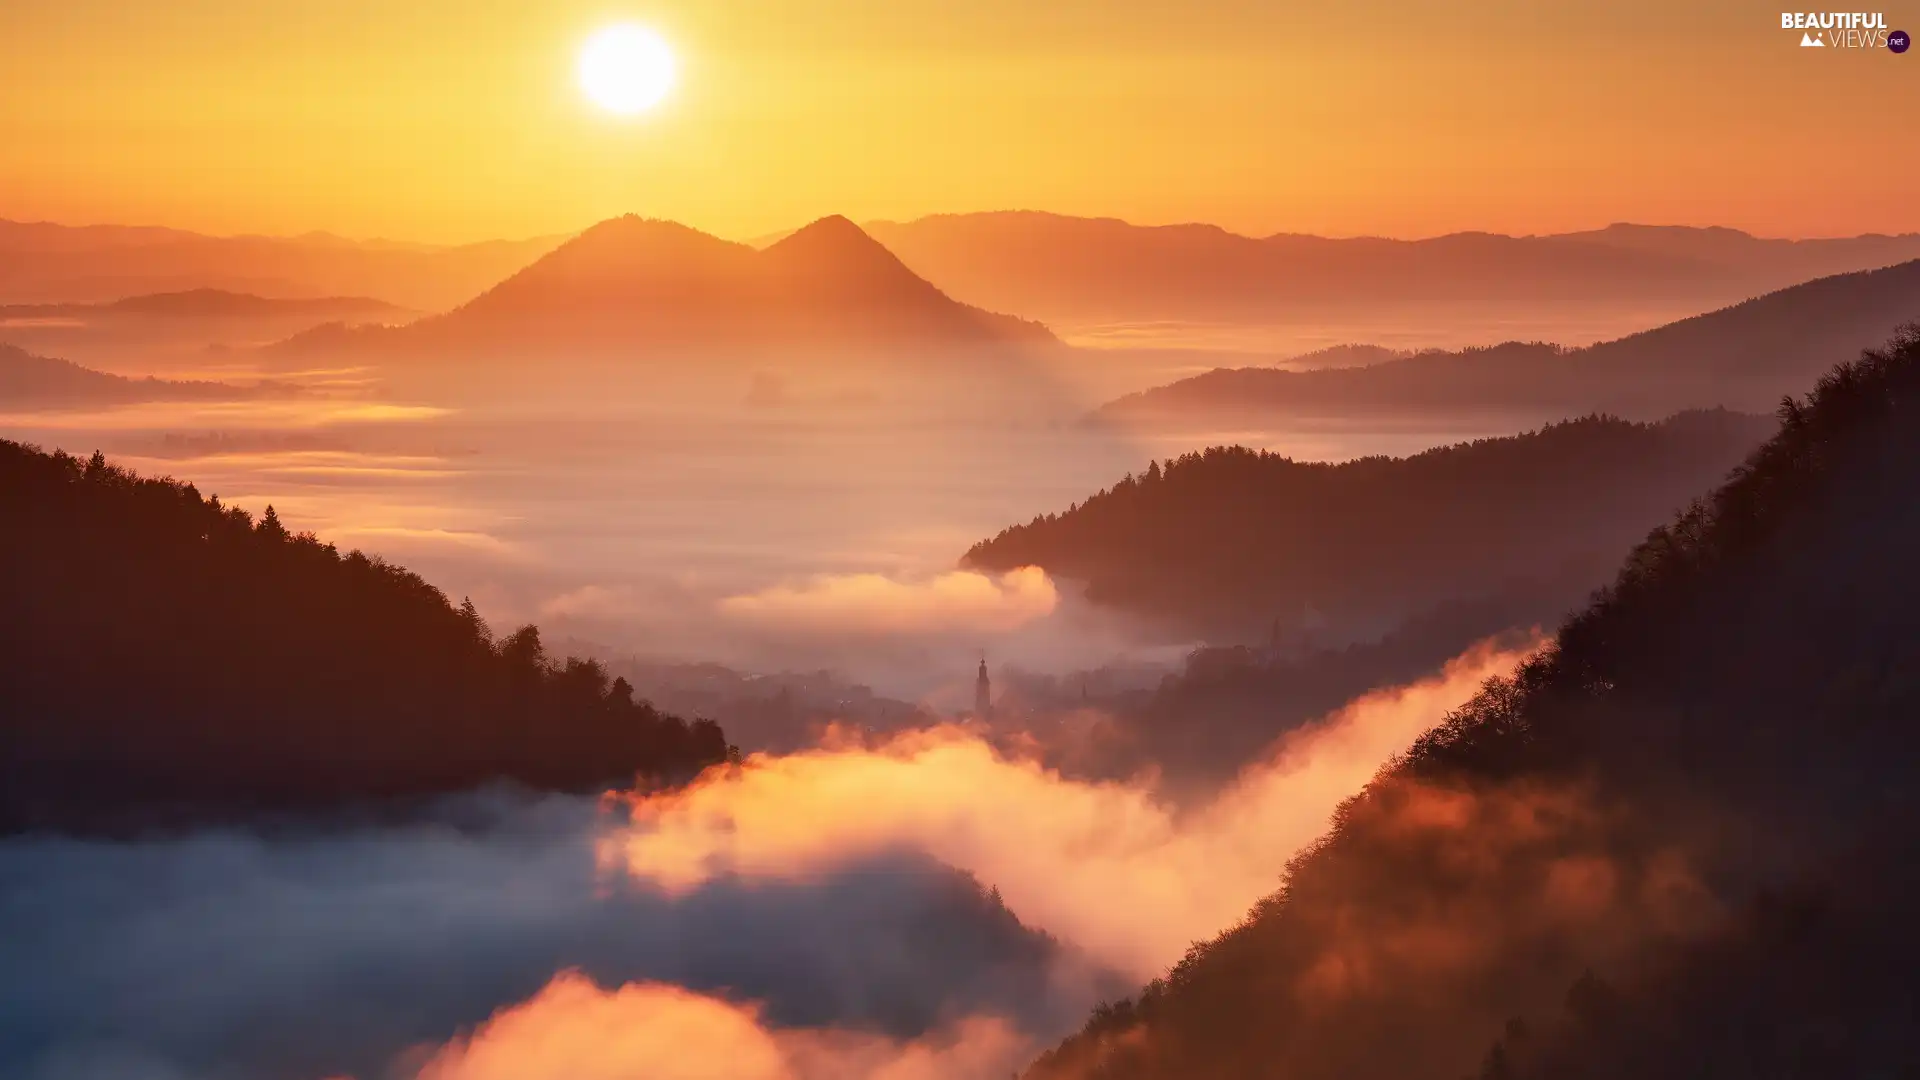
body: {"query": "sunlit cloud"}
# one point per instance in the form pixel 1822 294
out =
pixel 875 603
pixel 158 415
pixel 413 932
pixel 574 1030
pixel 377 536
pixel 591 601
pixel 319 464
pixel 1108 866
pixel 350 471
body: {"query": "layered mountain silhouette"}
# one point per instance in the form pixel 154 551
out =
pixel 1744 356
pixel 1072 269
pixel 208 304
pixel 30 381
pixel 634 284
pixel 165 658
pixel 41 262
pixel 1345 356
pixel 1035 265
pixel 1678 843
pixel 1237 545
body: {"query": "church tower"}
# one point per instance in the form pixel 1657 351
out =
pixel 983 694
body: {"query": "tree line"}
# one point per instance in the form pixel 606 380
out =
pixel 1678 842
pixel 165 656
pixel 1239 543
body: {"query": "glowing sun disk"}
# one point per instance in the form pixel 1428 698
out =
pixel 626 69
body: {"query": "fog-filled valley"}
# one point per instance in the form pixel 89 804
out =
pixel 640 654
pixel 358 950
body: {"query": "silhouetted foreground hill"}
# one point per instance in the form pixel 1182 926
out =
pixel 631 284
pixel 1703 794
pixel 29 381
pixel 1744 356
pixel 163 656
pixel 1235 543
pixel 1054 267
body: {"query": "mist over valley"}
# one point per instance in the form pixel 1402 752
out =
pixel 883 543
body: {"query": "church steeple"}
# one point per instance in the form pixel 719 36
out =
pixel 983 694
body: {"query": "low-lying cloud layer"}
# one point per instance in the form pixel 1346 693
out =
pixel 574 1030
pixel 787 919
pixel 225 955
pixel 876 604
pixel 1107 866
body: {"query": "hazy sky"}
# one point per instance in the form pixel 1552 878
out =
pixel 460 119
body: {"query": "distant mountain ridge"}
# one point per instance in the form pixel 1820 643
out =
pixel 1056 267
pixel 208 303
pixel 1034 265
pixel 1744 356
pixel 43 262
pixel 632 283
pixel 31 381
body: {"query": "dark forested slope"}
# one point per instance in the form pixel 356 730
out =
pixel 1232 540
pixel 1702 795
pixel 161 654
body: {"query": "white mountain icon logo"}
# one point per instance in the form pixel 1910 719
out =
pixel 1808 41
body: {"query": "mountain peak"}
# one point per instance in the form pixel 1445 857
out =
pixel 631 233
pixel 614 259
pixel 834 240
pixel 833 256
pixel 632 281
pixel 832 225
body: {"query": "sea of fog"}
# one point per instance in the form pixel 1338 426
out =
pixel 769 538
pixel 922 908
pixel 926 909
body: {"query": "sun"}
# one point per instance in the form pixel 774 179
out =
pixel 626 68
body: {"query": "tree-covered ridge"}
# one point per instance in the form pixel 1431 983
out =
pixel 33 381
pixel 162 654
pixel 1728 724
pixel 1232 540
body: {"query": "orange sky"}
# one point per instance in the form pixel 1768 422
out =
pixel 454 119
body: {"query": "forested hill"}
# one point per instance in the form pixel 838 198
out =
pixel 33 381
pixel 1230 540
pixel 165 657
pixel 1678 844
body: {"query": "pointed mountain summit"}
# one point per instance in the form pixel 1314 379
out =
pixel 620 267
pixel 841 281
pixel 833 241
pixel 634 284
